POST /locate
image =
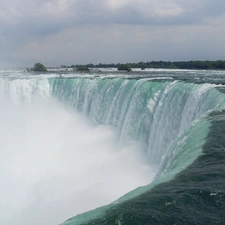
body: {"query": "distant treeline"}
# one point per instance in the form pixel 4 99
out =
pixel 199 65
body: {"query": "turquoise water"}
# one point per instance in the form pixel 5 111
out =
pixel 144 127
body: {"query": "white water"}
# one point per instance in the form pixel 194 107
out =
pixel 54 164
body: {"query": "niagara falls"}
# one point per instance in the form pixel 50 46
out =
pixel 111 147
pixel 112 112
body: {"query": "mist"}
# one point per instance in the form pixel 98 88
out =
pixel 55 164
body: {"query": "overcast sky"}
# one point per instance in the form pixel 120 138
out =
pixel 68 32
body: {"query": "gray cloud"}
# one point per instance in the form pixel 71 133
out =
pixel 23 23
pixel 58 14
pixel 146 11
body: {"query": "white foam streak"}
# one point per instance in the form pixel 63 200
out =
pixel 152 102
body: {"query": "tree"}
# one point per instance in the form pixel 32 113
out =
pixel 39 67
pixel 125 67
pixel 82 68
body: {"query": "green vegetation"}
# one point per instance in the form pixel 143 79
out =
pixel 125 67
pixel 197 65
pixel 38 67
pixel 81 68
